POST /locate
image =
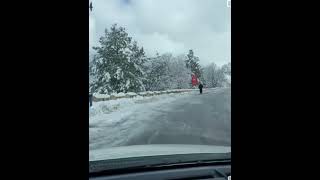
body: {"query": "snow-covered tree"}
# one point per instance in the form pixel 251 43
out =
pixel 180 75
pixel 227 73
pixel 226 68
pixel 192 62
pixel 92 75
pixel 118 63
pixel 213 75
pixel 158 72
pixel 167 72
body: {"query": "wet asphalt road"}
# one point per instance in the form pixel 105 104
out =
pixel 196 119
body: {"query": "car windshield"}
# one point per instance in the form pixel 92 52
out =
pixel 159 79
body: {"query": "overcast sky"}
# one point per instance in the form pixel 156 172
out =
pixel 173 26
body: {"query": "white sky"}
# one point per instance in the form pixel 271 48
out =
pixel 173 26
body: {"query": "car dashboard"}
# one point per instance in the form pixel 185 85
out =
pixel 214 172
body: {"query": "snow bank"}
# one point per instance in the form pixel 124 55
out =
pixel 105 107
pixel 150 92
pixel 131 94
pixel 143 93
pixel 157 92
pixel 103 97
pixel 119 95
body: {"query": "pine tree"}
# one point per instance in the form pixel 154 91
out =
pixel 118 63
pixel 192 63
pixel 92 75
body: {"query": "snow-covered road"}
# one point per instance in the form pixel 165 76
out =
pixel 183 118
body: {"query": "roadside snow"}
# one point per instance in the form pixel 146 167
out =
pixel 131 94
pixel 143 93
pixel 150 92
pixel 120 95
pixel 101 95
pixel 113 122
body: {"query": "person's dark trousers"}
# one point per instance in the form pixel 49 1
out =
pixel 200 90
pixel 90 100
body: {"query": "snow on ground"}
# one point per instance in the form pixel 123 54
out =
pixel 120 95
pixel 101 95
pixel 113 122
pixel 131 94
pixel 143 93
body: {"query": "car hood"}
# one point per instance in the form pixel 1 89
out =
pixel 153 150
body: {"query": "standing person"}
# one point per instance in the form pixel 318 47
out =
pixel 200 87
pixel 90 6
pixel 90 99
